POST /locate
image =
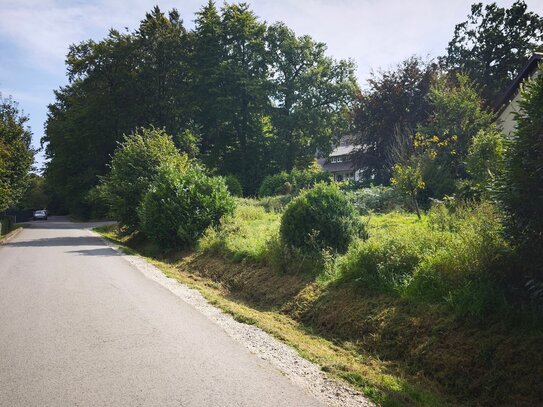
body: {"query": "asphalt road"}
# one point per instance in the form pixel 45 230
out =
pixel 79 326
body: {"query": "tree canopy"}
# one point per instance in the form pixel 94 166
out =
pixel 395 102
pixel 493 44
pixel 16 153
pixel 246 98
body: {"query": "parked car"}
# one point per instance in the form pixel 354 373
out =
pixel 40 215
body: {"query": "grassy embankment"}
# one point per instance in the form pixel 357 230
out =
pixel 408 316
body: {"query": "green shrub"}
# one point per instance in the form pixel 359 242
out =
pixel 455 256
pixel 274 184
pixel 321 218
pixel 377 199
pixel 309 177
pixel 180 206
pixel 234 185
pixel 521 189
pixel 485 159
pixel 285 183
pixel 134 166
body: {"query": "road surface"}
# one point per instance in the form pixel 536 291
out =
pixel 79 326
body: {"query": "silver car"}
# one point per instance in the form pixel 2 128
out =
pixel 40 215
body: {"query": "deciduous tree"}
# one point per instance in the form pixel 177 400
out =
pixel 493 44
pixel 16 153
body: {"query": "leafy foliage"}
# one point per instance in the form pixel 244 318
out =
pixel 396 101
pixel 219 90
pixel 408 179
pixel 35 195
pixel 234 185
pixel 321 218
pixel 443 140
pixel 311 96
pixel 125 81
pixel 456 257
pixel 134 167
pixel 16 154
pixel 181 205
pixel 285 183
pixel 521 191
pixel 493 44
pixel 485 161
pixel 376 199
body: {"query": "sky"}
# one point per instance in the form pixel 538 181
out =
pixel 375 34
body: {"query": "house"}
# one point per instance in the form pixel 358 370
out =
pixel 340 162
pixel 508 106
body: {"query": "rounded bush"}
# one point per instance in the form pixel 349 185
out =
pixel 234 185
pixel 274 184
pixel 180 206
pixel 321 218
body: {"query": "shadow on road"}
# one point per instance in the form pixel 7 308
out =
pixel 57 241
pixel 62 222
pixel 106 251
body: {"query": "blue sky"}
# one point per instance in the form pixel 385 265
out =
pixel 35 34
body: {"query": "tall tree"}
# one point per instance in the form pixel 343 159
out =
pixel 208 94
pixel 395 102
pixel 493 44
pixel 245 93
pixel 115 85
pixel 457 114
pixel 311 95
pixel 89 116
pixel 163 78
pixel 16 154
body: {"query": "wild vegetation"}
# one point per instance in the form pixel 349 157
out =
pixel 416 314
pixel 420 284
pixel 16 159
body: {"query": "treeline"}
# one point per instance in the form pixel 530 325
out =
pixel 248 99
pixel 16 155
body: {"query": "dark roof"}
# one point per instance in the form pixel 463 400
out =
pixel 524 73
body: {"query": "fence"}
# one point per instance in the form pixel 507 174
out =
pixel 6 224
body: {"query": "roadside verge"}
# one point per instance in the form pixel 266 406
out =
pixel 11 235
pixel 302 372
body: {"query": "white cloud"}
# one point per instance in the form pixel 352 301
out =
pixel 374 33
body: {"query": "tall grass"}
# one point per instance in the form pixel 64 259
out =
pixel 453 255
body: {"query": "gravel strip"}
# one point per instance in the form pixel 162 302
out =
pixel 299 370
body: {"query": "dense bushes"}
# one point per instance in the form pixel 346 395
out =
pixel 376 199
pixel 180 205
pixel 285 183
pixel 321 218
pixel 521 191
pixel 234 185
pixel 133 168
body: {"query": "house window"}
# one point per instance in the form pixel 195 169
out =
pixel 340 159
